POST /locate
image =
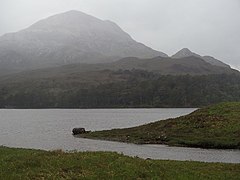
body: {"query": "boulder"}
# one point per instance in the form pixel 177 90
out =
pixel 76 131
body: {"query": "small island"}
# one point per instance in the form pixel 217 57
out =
pixel 216 126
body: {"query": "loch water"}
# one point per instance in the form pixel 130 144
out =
pixel 50 129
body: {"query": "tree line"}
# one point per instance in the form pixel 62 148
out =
pixel 141 89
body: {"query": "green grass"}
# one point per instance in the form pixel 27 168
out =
pixel 216 126
pixel 36 164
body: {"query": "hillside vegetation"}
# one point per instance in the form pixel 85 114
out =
pixel 216 126
pixel 71 88
pixel 36 164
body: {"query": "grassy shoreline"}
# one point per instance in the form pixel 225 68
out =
pixel 216 126
pixel 37 164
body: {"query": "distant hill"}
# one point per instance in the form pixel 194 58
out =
pixel 186 65
pixel 71 37
pixel 185 52
pixel 161 65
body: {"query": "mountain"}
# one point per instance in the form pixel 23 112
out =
pixel 71 37
pixel 185 52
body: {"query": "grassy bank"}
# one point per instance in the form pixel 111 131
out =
pixel 216 126
pixel 36 164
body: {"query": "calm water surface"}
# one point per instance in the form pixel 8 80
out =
pixel 51 129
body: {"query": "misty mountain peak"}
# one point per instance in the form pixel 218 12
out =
pixel 70 37
pixel 76 24
pixel 185 52
pixel 69 20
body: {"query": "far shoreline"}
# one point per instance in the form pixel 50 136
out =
pixel 144 107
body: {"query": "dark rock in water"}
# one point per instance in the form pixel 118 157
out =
pixel 76 131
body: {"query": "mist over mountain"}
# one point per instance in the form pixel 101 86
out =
pixel 71 37
pixel 80 39
pixel 185 52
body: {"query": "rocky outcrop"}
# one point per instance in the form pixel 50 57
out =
pixel 76 131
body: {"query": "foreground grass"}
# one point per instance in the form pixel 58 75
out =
pixel 216 126
pixel 36 164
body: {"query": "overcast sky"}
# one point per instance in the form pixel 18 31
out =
pixel 207 27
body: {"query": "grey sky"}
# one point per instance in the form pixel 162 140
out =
pixel 207 27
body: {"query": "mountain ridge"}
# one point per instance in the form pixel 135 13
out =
pixel 160 65
pixel 185 52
